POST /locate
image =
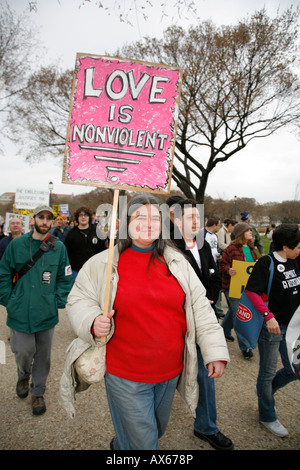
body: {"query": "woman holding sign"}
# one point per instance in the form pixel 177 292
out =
pixel 284 299
pixel 240 249
pixel 160 312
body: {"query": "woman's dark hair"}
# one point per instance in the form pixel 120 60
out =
pixel 286 235
pixel 125 241
pixel 84 209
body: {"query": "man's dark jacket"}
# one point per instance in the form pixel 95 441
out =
pixel 82 244
pixel 209 274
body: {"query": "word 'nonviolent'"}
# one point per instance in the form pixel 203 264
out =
pixel 119 136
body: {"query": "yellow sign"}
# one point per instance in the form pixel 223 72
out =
pixel 239 280
pixel 28 212
pixel 56 210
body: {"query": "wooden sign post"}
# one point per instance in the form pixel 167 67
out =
pixel 122 128
pixel 110 252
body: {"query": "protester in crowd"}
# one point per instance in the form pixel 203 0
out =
pixel 245 218
pixel 32 302
pixel 94 219
pixel 241 249
pixel 61 229
pixel 224 239
pixel 187 222
pixel 269 236
pixel 2 234
pixel 211 227
pixel 283 301
pixel 224 234
pixel 82 241
pixel 171 202
pixel 209 232
pixel 188 238
pixel 160 311
pixel 116 234
pixel 15 229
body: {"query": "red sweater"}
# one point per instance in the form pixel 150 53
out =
pixel 150 323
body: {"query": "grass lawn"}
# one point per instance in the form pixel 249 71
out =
pixel 266 243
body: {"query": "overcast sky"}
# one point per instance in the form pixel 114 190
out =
pixel 267 170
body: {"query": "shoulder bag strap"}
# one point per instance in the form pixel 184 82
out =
pixel 271 273
pixel 45 246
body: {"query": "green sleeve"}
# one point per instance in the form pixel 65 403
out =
pixel 7 270
pixel 64 279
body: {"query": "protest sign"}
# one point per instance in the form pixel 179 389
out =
pixel 122 124
pixel 2 353
pixel 64 209
pixel 61 210
pixel 28 198
pixel 293 342
pixel 121 129
pixel 25 219
pixel 28 212
pixel 56 210
pixel 239 280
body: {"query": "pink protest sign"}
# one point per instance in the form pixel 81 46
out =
pixel 122 124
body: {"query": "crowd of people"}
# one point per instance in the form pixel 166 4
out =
pixel 166 327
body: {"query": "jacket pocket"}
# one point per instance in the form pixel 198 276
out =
pixel 47 277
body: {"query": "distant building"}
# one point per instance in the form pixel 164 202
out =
pixel 7 198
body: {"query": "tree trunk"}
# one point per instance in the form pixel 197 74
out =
pixel 200 193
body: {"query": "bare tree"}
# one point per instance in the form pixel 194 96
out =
pixel 42 113
pixel 128 11
pixel 239 83
pixel 18 47
pixel 288 212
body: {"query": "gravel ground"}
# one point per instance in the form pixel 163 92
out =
pixel 92 429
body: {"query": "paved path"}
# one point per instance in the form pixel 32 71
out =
pixel 92 428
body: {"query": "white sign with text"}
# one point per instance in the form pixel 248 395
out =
pixel 28 198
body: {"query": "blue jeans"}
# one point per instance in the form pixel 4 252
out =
pixel 229 319
pixel 227 322
pixel 269 381
pixel 206 411
pixel 139 411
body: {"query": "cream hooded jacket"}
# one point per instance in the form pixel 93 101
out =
pixel 86 302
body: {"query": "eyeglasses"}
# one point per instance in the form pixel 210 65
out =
pixel 83 215
pixel 47 217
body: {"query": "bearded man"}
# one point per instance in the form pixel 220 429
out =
pixel 35 280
